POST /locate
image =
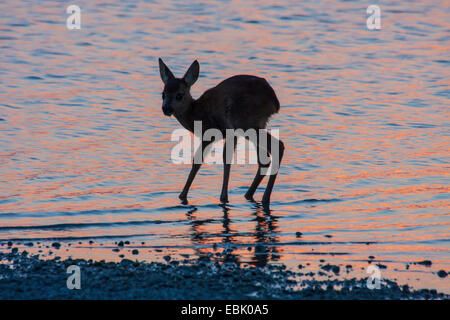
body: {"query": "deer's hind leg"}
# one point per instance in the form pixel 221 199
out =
pixel 266 145
pixel 276 149
pixel 259 173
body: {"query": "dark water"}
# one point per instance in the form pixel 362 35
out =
pixel 85 149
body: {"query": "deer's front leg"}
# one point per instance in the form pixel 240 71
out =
pixel 228 151
pixel 196 164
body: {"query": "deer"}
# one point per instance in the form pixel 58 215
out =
pixel 239 102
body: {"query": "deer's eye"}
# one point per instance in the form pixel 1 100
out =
pixel 179 96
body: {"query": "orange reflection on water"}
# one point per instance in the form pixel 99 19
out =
pixel 86 150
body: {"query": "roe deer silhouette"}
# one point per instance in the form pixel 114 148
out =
pixel 239 102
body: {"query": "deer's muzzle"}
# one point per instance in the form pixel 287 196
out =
pixel 167 110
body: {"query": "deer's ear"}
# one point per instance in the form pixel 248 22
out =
pixel 165 72
pixel 192 74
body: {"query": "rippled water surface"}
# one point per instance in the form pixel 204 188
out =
pixel 85 149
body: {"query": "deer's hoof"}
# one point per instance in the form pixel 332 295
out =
pixel 182 196
pixel 223 199
pixel 266 206
pixel 265 201
pixel 249 197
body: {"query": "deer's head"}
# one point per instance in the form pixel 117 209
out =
pixel 176 94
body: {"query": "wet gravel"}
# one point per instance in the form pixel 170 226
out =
pixel 28 277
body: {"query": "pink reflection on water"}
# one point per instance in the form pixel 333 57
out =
pixel 364 116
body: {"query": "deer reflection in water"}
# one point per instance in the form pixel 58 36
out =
pixel 237 247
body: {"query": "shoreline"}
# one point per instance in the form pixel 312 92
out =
pixel 25 276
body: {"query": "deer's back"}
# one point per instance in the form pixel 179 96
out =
pixel 241 101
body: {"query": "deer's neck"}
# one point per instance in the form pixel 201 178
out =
pixel 195 112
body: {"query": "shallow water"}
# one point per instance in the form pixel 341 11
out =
pixel 85 148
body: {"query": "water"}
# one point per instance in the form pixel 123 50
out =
pixel 85 148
